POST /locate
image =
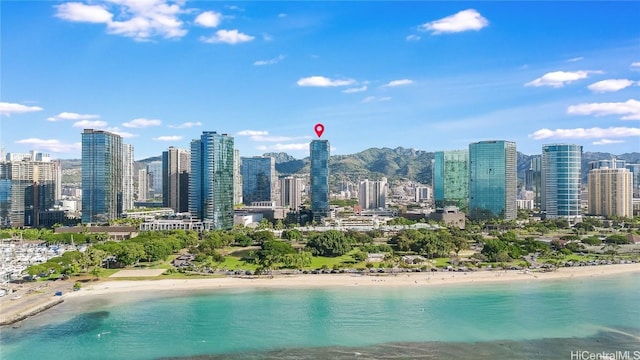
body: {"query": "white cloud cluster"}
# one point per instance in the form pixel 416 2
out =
pixel 187 125
pixel 8 109
pixel 168 138
pixel 413 37
pixel 228 37
pixel 607 142
pixel 262 135
pixel 465 20
pixel 72 116
pixel 209 19
pixel 635 65
pixel 372 99
pixel 582 133
pixel 610 85
pixel 252 133
pixel 270 61
pixel 284 147
pixel 355 90
pixel 560 78
pixel 142 123
pixel 400 82
pixel 90 124
pixel 51 145
pixel 321 81
pixel 630 109
pixel 137 19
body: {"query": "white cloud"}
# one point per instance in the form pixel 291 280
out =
pixel 209 19
pixel 168 138
pixel 281 15
pixel 142 123
pixel 321 81
pixel 51 145
pixel 80 12
pixel 11 108
pixel 141 20
pixel 186 125
pixel 575 59
pixel 630 109
pixel 464 20
pixel 413 37
pixel 267 37
pixel 90 124
pixel 234 7
pixel 610 85
pixel 355 90
pixel 607 142
pixel 635 65
pixel 560 78
pixel 227 37
pixel 252 133
pixel 401 82
pixel 117 131
pixel 270 61
pixel 370 99
pixel 72 116
pixel 582 133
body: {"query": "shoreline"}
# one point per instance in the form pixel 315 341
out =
pixel 313 281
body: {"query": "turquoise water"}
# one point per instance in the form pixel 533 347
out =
pixel 506 320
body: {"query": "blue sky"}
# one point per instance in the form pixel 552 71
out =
pixel 426 75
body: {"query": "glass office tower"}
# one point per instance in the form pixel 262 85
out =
pixel 258 179
pixel 560 178
pixel 211 181
pixel 451 179
pixel 492 180
pixel 319 152
pixel 102 175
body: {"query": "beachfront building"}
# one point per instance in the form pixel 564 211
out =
pixel 372 194
pixel 176 165
pixel 102 175
pixel 492 180
pixel 319 153
pixel 533 180
pixel 127 177
pixel 237 178
pixel 30 185
pixel 211 181
pixel 291 192
pixel 610 192
pixel 451 179
pixel 560 181
pixel 635 174
pixel 258 179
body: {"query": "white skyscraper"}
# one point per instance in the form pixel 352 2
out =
pixel 291 192
pixel 372 194
pixel 127 177
pixel 143 184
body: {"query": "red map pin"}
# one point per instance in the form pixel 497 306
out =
pixel 319 129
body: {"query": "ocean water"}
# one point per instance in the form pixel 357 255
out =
pixel 528 320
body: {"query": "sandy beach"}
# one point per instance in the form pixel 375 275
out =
pixel 349 280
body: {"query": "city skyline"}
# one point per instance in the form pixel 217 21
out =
pixel 426 75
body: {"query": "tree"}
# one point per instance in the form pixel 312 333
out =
pixel 131 253
pixel 459 244
pixel 263 236
pixel 96 271
pixel 329 243
pixel 292 235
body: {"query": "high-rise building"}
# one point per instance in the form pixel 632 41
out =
pixel 237 178
pixel 29 188
pixel 372 194
pixel 291 192
pixel 127 177
pixel 560 181
pixel 154 169
pixel 635 174
pixel 211 181
pixel 319 151
pixel 612 163
pixel 533 180
pixel 176 165
pixel 492 180
pixel 610 192
pixel 258 179
pixel 143 184
pixel 102 174
pixel 451 179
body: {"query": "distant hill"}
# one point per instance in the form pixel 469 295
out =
pixel 374 163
